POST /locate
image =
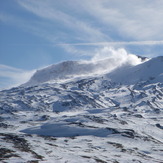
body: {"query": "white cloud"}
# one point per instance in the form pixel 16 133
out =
pixel 10 76
pixel 117 57
pixel 73 48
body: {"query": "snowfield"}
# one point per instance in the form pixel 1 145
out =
pixel 81 112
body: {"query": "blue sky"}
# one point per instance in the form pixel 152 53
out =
pixel 37 33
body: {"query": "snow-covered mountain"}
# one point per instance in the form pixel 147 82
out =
pixel 80 69
pixel 76 111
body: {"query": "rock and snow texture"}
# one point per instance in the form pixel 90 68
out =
pixel 109 117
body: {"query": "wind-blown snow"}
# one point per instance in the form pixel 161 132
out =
pixel 117 57
pixel 104 61
pixel 125 71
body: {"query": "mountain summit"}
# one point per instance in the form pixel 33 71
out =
pixel 114 70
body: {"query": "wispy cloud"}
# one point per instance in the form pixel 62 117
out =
pixel 139 19
pixel 10 76
pixel 114 43
pixel 77 28
pixel 96 22
pixel 97 19
pixel 92 22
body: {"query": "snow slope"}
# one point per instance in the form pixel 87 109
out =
pixel 66 70
pixel 151 71
pixel 111 116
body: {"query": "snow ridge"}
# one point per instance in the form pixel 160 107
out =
pixel 74 69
